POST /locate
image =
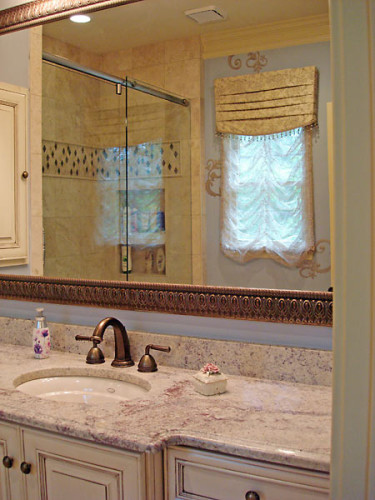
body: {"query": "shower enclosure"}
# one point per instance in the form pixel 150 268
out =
pixel 116 178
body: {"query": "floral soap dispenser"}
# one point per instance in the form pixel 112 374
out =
pixel 41 337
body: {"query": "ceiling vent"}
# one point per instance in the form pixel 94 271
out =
pixel 207 14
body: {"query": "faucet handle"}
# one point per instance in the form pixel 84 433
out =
pixel 95 355
pixel 147 362
pixel 157 348
pixel 93 338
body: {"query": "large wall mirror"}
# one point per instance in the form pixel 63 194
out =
pixel 128 181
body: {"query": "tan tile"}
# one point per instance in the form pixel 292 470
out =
pixel 151 74
pixel 198 271
pixel 35 123
pixel 148 55
pixel 117 63
pixel 184 78
pixel 182 49
pixel 66 239
pixel 36 260
pixel 178 268
pixel 197 160
pixel 35 71
pixel 198 197
pixel 49 86
pixel 177 122
pixel 178 196
pixel 35 179
pixel 196 229
pixel 196 118
pixel 178 233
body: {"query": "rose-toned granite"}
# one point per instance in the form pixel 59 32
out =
pixel 275 421
pixel 291 364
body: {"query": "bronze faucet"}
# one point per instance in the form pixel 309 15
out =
pixel 122 346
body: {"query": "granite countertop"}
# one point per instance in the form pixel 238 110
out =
pixel 279 422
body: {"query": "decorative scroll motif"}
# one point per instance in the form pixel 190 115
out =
pixel 255 61
pixel 310 268
pixel 234 63
pixel 283 306
pixel 213 168
pixel 38 11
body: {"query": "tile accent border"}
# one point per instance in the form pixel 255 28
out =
pixel 283 306
pixel 152 160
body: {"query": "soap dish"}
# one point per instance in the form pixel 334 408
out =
pixel 209 381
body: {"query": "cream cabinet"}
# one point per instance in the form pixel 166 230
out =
pixel 13 175
pixel 49 466
pixel 197 475
pixel 10 476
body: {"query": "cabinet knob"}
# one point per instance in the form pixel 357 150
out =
pixel 252 495
pixel 25 468
pixel 7 462
pixel 25 174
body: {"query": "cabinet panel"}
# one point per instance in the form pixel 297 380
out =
pixel 7 192
pixel 13 185
pixel 198 475
pixel 64 468
pixel 62 478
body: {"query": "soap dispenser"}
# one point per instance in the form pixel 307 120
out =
pixel 41 336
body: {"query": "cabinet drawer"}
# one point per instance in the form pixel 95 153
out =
pixel 194 474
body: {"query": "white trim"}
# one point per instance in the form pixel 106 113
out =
pixel 354 279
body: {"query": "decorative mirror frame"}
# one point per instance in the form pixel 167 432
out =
pixel 285 306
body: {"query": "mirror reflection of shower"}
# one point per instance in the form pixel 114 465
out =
pixel 116 178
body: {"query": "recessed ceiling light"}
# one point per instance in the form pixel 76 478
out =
pixel 80 18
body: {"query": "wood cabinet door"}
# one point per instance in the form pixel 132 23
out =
pixel 11 481
pixel 66 469
pixel 13 183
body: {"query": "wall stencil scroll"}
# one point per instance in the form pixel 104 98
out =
pixel 255 61
pixel 311 268
pixel 213 168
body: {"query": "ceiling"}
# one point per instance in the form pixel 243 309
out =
pixel 152 21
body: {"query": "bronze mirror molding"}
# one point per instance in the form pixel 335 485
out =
pixel 285 306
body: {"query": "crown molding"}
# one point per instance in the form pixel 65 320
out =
pixel 267 36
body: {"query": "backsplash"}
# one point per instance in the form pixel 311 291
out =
pixel 291 364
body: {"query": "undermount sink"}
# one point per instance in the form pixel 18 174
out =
pixel 82 388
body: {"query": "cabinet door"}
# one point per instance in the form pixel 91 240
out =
pixel 63 468
pixel 10 478
pixel 13 184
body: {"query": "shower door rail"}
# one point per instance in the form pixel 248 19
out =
pixel 127 83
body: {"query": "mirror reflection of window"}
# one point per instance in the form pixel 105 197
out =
pixel 267 197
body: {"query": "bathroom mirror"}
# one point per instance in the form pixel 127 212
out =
pixel 157 59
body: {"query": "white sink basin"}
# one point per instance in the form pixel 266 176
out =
pixel 83 389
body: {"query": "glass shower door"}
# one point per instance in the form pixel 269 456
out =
pixel 83 160
pixel 157 201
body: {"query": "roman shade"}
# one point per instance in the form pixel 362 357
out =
pixel 267 103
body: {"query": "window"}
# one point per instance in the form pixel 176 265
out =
pixel 267 207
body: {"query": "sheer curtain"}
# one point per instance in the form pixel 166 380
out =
pixel 267 197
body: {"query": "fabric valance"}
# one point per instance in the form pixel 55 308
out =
pixel 267 103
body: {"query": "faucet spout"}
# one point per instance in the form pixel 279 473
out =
pixel 122 345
